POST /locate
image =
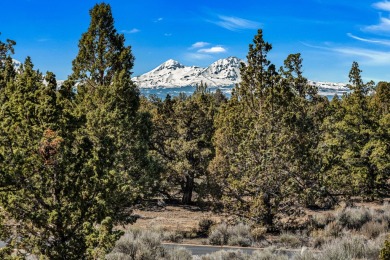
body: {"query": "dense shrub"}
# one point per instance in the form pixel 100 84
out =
pixel 258 233
pixel 240 235
pixel 351 247
pixel 354 218
pixel 333 229
pixel 237 235
pixel 306 255
pixel 385 252
pixel 226 255
pixel 290 240
pixel 178 253
pixel 137 245
pixel 268 254
pixel 172 236
pixel 321 220
pixel 373 229
pixel 219 235
pixel 204 226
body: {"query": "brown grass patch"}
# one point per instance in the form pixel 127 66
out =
pixel 174 218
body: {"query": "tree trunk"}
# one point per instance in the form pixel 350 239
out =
pixel 187 190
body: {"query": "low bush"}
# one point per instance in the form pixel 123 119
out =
pixel 351 247
pixel 172 236
pixel 354 218
pixel 385 252
pixel 237 235
pixel 306 255
pixel 373 229
pixel 321 220
pixel 344 248
pixel 145 245
pixel 219 235
pixel 204 226
pixel 240 235
pixel 333 229
pixel 178 253
pixel 268 254
pixel 226 255
pixel 258 233
pixel 137 245
pixel 290 240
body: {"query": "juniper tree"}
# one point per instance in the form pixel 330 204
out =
pixel 74 160
pixel 107 101
pixel 356 149
pixel 242 142
pixel 264 140
pixel 30 158
pixel 182 140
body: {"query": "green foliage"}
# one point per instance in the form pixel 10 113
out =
pixel 266 162
pixel 7 71
pixel 354 218
pixel 385 252
pixel 204 226
pixel 102 54
pixel 182 140
pixel 355 147
pixel 73 163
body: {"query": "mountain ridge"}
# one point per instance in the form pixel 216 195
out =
pixel 221 73
pixel 173 74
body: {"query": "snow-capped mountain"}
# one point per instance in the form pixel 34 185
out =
pixel 329 85
pixel 16 64
pixel 172 74
pixel 222 73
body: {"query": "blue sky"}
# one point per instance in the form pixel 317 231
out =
pixel 330 34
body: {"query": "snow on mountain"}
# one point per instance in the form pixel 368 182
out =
pixel 222 73
pixel 329 85
pixel 225 70
pixel 172 74
pixel 16 64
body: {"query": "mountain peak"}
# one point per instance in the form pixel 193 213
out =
pixel 224 72
pixel 170 64
pixel 16 64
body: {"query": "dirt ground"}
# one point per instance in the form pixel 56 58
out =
pixel 186 218
pixel 174 218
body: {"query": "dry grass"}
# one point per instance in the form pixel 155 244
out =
pixel 185 224
pixel 174 219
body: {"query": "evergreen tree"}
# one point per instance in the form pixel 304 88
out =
pixel 242 154
pixel 385 252
pixel 74 160
pixel 7 71
pixel 107 102
pixel 31 164
pixel 265 158
pixel 182 140
pixel 354 147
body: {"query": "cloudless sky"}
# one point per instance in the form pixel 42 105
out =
pixel 330 34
